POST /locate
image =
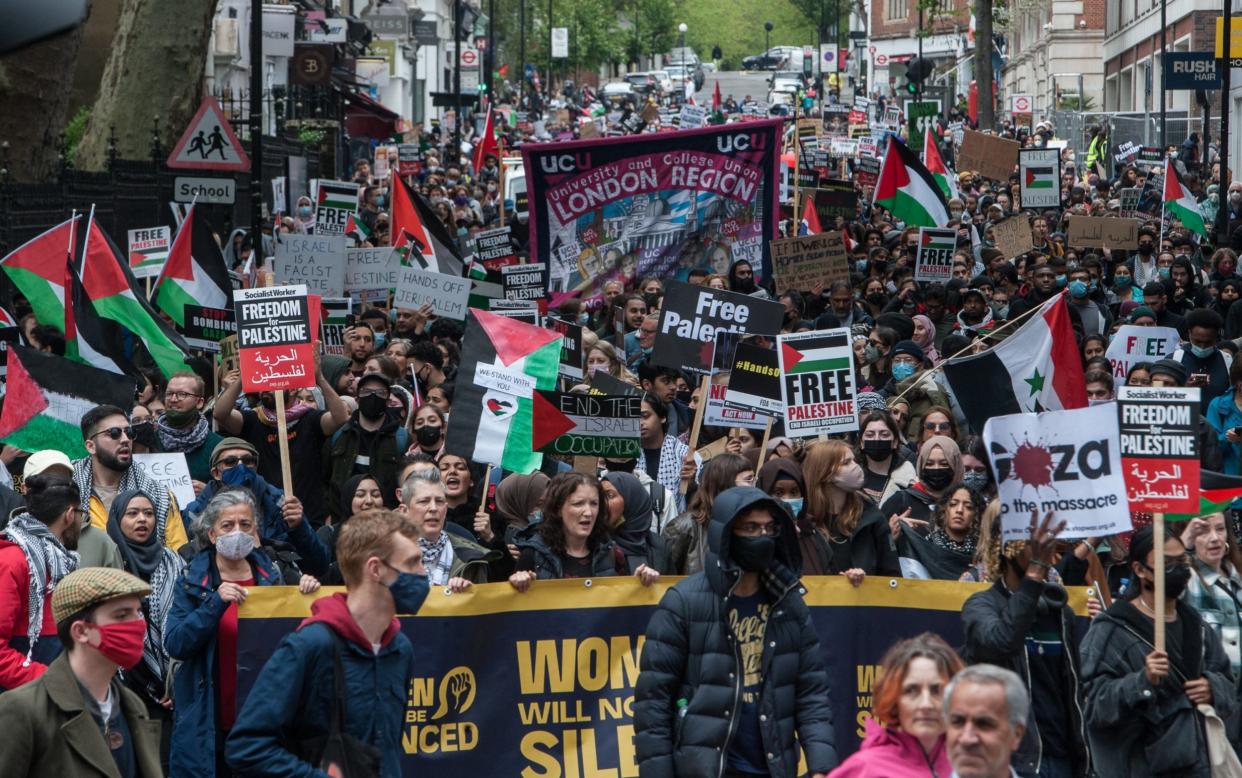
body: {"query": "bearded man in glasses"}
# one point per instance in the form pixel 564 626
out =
pixel 184 428
pixel 108 470
pixel 732 667
pixel 280 517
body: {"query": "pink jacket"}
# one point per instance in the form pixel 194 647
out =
pixel 891 753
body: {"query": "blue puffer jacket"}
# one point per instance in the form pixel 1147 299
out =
pixel 293 697
pixel 190 635
pixel 315 558
pixel 691 655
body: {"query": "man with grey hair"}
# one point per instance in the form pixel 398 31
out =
pixel 452 560
pixel 985 709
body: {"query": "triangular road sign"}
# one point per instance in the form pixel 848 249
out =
pixel 208 143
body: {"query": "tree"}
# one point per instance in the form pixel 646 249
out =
pixel 155 70
pixel 983 63
pixel 821 13
pixel 36 81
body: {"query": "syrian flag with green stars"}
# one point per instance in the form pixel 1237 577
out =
pixel 503 362
pixel 1037 368
pixel 1179 202
pixel 46 397
pixel 908 189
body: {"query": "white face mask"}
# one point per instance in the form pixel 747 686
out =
pixel 235 546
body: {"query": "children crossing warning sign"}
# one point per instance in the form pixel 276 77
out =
pixel 208 143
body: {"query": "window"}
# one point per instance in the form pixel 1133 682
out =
pixel 896 10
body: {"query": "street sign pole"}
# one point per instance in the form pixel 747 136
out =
pixel 256 129
pixel 1164 51
pixel 456 157
pixel 1226 65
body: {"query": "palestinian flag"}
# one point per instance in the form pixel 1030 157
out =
pixel 487 145
pixel 195 273
pixel 816 354
pixel 36 268
pixel 491 425
pixel 908 189
pixel 945 180
pixel 481 289
pixel 1041 177
pixel 1037 368
pixel 1181 203
pixel 1217 492
pixel 92 340
pixel 46 397
pixel 356 230
pixel 413 219
pixel 115 295
pixel 342 195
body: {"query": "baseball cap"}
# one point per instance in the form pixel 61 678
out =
pixel 92 585
pixel 40 461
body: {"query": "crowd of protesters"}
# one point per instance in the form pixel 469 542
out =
pixel 93 548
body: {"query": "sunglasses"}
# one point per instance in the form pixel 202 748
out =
pixel 115 433
pixel 231 461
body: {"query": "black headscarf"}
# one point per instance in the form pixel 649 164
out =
pixel 631 534
pixel 347 493
pixel 141 559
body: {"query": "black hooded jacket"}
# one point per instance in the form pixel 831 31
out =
pixel 691 655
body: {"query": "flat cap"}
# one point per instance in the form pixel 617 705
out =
pixel 92 585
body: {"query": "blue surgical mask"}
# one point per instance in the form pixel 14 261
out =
pixel 861 266
pixel 1060 280
pixel 409 591
pixel 237 475
pixel 304 210
pixel 1000 311
pixel 381 200
pixel 1078 288
pixel 536 516
pixel 902 371
pixel 1203 352
pixel 380 339
pixel 584 318
pixel 1163 272
pixel 794 505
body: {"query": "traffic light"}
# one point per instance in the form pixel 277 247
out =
pixel 917 71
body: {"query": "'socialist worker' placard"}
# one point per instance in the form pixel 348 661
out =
pixel 274 337
pixel 1160 447
pixel 817 382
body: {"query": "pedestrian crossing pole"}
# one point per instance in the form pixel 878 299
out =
pixel 1226 66
pixel 256 129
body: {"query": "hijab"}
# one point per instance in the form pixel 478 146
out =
pixel 631 534
pixel 928 343
pixel 518 494
pixel 143 558
pixel 951 453
pixel 347 493
pixel 778 469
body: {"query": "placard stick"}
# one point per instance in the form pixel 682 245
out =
pixel 282 437
pixel 1157 526
pixel 282 427
pixel 500 194
pixel 763 448
pixel 487 480
pixel 694 430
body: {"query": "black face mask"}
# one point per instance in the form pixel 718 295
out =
pixel 623 466
pixel 752 554
pixel 144 434
pixel 1176 578
pixel 936 478
pixel 877 450
pixel 685 397
pixel 427 436
pixel 372 406
pixel 876 298
pixel 651 299
pixel 1145 249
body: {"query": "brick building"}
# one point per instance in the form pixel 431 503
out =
pixel 892 27
pixel 1051 44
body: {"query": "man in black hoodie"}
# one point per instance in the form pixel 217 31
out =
pixel 1024 624
pixel 372 441
pixel 757 674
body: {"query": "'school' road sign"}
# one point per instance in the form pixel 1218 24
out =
pixel 208 143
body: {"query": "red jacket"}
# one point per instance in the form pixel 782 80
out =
pixel 14 594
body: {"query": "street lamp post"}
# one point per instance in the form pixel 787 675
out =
pixel 681 28
pixel 767 37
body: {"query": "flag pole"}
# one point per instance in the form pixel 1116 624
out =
pixel 1157 526
pixel 695 429
pixel 973 343
pixel 282 428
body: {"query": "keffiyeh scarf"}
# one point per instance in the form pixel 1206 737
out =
pixel 48 560
pixel 182 438
pixel 438 557
pixel 133 480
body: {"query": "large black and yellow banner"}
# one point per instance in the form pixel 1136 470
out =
pixel 541 684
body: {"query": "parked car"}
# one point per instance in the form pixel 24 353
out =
pixel 618 93
pixel 708 67
pixel 775 58
pixel 664 80
pixel 643 83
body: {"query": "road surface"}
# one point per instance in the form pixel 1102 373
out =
pixel 736 83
